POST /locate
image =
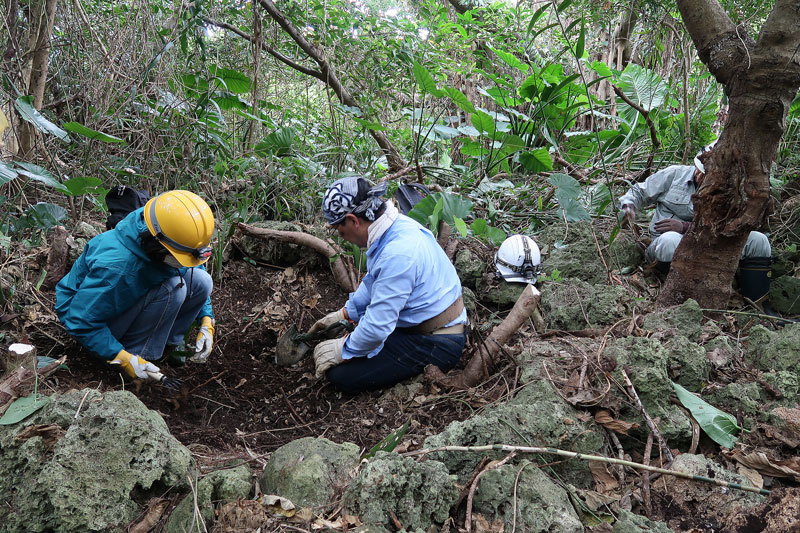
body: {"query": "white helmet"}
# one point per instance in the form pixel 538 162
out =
pixel 518 260
pixel 699 164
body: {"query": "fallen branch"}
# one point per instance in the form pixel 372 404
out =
pixel 650 424
pixel 484 356
pixel 344 276
pixel 585 457
pixel 494 465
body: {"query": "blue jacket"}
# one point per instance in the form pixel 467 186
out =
pixel 409 280
pixel 112 273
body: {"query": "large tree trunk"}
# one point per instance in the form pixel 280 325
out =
pixel 761 79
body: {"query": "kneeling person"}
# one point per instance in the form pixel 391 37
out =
pixel 139 287
pixel 671 190
pixel 408 307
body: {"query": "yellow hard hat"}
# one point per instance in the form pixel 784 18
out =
pixel 183 223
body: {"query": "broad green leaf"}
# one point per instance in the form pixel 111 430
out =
pixel 469 131
pixel 389 442
pixel 496 235
pixel 374 126
pixel 461 226
pixel 445 132
pixel 512 144
pixel 563 5
pixel 455 206
pixel 82 185
pixel 80 129
pixel 438 206
pixel 425 80
pixel 6 173
pixel 459 99
pixel 483 122
pixel 22 408
pixel 531 87
pixel 510 60
pixel 538 160
pixel 572 209
pixel 37 173
pixel 718 425
pixel 279 142
pixel 601 69
pixel 479 227
pixel 24 104
pixel 233 80
pixel 472 148
pixel 643 86
pixel 43 215
pixel 228 100
pixel 566 183
pixel 537 15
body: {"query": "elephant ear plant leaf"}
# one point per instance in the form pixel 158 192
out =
pixel 718 425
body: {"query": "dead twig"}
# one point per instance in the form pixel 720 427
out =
pixel 494 465
pixel 648 505
pixel 650 424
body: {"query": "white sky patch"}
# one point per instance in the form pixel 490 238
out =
pixel 392 12
pixel 423 33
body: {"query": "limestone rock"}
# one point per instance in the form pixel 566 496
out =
pixel 774 350
pixel 687 318
pixel 470 267
pixel 418 493
pixel 541 504
pixel 110 461
pixel 708 503
pixel 688 364
pixel 220 486
pixel 547 422
pixel 311 472
pixel 568 304
pixel 784 295
pixel 647 361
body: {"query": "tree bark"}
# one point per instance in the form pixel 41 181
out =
pixel 43 17
pixel 761 78
pixel 393 157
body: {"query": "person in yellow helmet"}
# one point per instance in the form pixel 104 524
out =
pixel 138 288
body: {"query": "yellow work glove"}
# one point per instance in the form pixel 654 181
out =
pixel 134 366
pixel 205 340
pixel 329 319
pixel 328 354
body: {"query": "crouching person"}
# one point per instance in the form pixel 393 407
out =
pixel 139 287
pixel 408 307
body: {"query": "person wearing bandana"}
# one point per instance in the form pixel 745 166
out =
pixel 137 288
pixel 408 308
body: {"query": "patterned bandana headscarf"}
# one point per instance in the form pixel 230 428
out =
pixel 352 195
pixel 699 164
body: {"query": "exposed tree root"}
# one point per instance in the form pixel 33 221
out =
pixel 484 357
pixel 344 277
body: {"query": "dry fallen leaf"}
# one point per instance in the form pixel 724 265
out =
pixel 312 300
pixel 277 505
pixel 764 465
pixel 604 482
pixel 604 418
pixel 752 476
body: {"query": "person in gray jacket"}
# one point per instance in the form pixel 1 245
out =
pixel 671 190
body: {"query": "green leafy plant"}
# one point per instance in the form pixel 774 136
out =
pixel 718 425
pixel 389 442
pixel 22 408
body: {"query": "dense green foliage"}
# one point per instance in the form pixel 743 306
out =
pixel 508 106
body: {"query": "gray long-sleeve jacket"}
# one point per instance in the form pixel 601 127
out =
pixel 671 191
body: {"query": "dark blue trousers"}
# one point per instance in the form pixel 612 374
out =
pixel 404 355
